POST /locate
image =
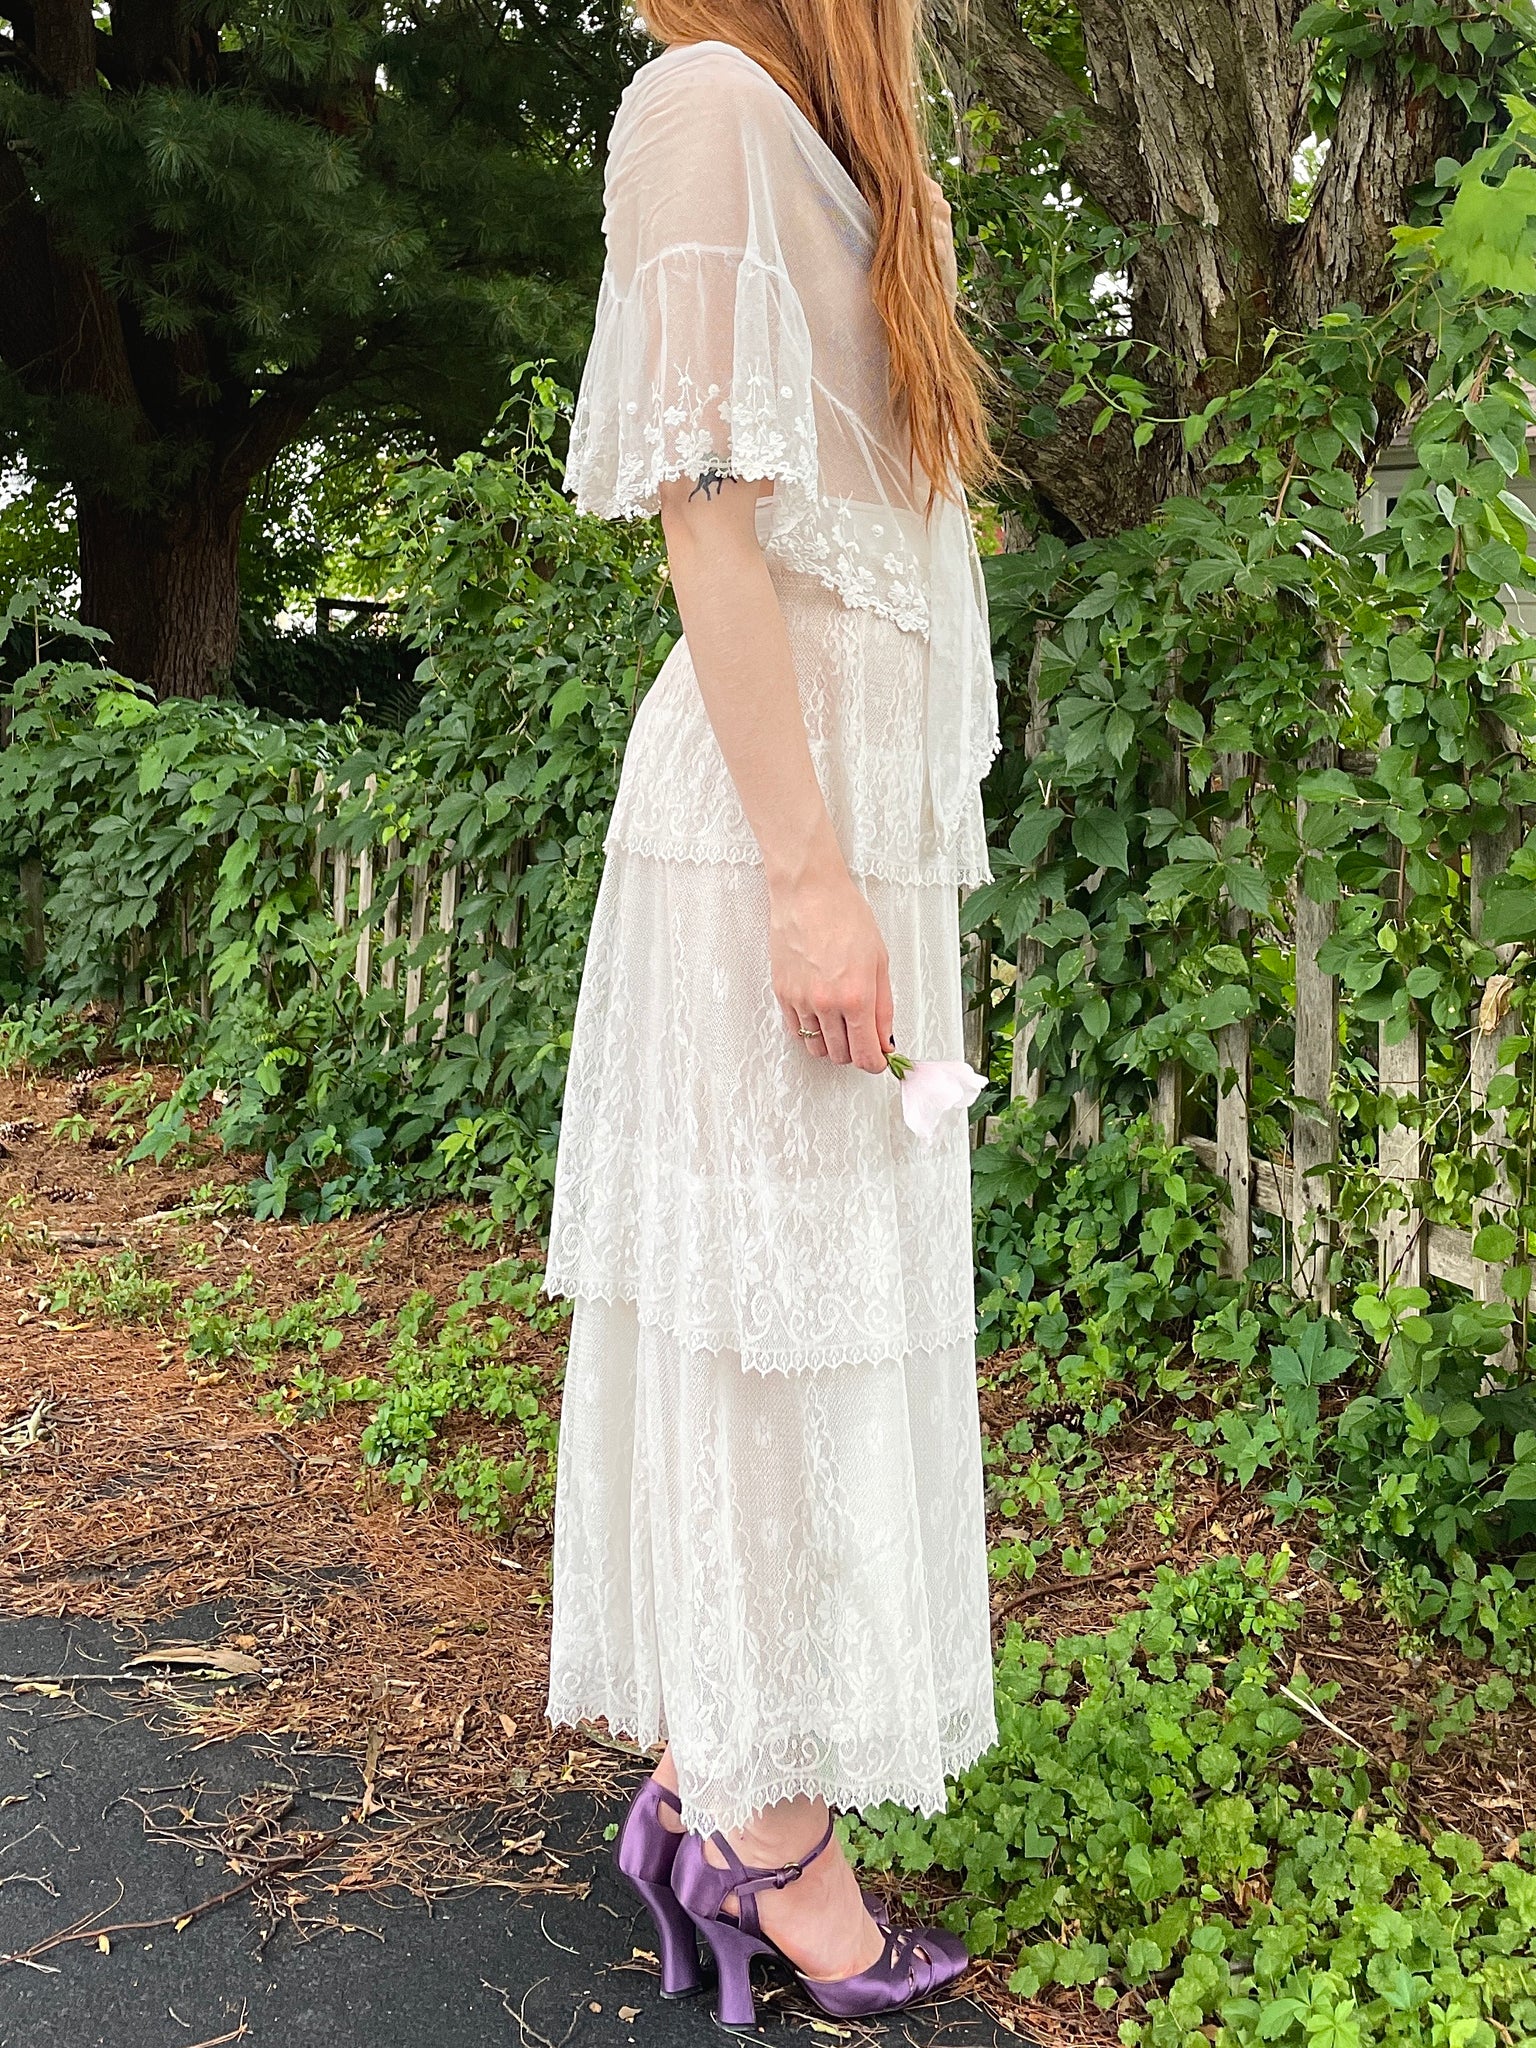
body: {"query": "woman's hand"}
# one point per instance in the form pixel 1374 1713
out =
pixel 944 237
pixel 830 970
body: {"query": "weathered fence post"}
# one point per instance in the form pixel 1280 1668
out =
pixel 448 910
pixel 341 870
pixel 421 884
pixel 363 964
pixel 389 931
pixel 1233 1163
pixel 976 988
pixel 1403 1238
pixel 474 977
pixel 1087 1109
pixel 512 869
pixel 1491 1025
pixel 1024 1075
pixel 316 857
pixel 1314 1122
pixel 1170 790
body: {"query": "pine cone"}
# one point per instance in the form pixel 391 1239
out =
pixel 80 1088
pixel 17 1133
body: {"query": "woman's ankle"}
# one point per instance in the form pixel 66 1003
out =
pixel 778 1836
pixel 665 1775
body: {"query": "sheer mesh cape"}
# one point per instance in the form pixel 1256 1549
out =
pixel 735 331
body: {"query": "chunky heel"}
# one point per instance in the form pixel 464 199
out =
pixel 733 1949
pixel 645 1852
pixel 677 1944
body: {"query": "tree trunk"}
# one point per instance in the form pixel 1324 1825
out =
pixel 1184 120
pixel 166 588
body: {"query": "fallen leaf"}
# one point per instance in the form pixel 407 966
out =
pixel 200 1657
pixel 629 2012
pixel 593 2006
pixel 508 1727
pixel 1497 990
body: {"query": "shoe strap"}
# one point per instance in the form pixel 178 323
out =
pixel 667 1796
pixel 747 1880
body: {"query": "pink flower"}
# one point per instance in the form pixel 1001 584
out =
pixel 931 1088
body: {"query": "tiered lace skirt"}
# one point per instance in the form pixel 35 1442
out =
pixel 769 1540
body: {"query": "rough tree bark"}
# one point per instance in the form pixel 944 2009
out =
pixel 167 589
pixel 1186 126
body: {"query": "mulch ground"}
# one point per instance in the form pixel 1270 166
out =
pixel 136 1485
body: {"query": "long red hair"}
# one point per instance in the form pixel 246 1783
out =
pixel 852 67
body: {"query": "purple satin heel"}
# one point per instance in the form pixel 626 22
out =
pixel 918 1962
pixel 645 1852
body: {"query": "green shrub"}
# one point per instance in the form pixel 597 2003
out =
pixel 1422 1465
pixel 1143 1825
pixel 1101 1260
pixel 178 840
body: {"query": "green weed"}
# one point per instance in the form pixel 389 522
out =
pixel 120 1289
pixel 1143 1827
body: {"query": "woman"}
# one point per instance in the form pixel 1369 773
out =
pixel 769 1543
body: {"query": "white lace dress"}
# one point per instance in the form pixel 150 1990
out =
pixel 769 1543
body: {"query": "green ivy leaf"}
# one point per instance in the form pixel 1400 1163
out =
pixel 570 696
pixel 1099 836
pixel 1185 718
pixel 1494 1243
pixel 1098 600
pixel 1246 886
pixel 1031 835
pixel 1509 911
pixel 1486 237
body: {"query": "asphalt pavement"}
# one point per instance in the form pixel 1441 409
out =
pixel 102 1799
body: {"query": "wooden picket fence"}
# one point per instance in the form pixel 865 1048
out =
pixel 388 893
pixel 1297 1194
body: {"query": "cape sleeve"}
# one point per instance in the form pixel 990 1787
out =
pixel 701 354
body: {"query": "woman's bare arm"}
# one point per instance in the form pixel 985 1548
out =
pixel 827 958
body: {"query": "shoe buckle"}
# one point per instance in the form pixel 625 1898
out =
pixel 787 1875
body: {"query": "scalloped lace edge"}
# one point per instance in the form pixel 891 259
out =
pixel 632 505
pixel 812 1358
pixel 936 871
pixel 845 1794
